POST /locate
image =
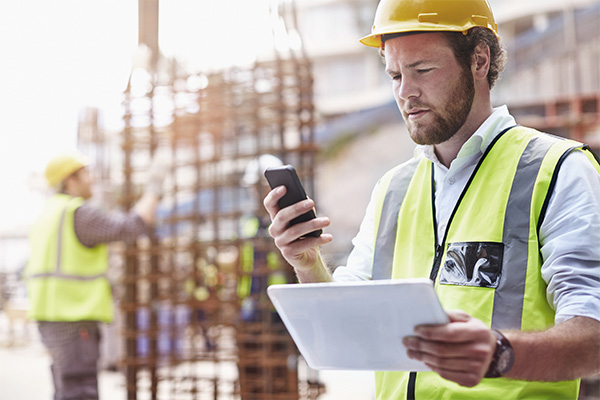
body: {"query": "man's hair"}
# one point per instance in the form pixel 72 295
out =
pixel 464 46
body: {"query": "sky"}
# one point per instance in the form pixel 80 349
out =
pixel 59 56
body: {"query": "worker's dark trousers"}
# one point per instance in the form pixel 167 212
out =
pixel 74 348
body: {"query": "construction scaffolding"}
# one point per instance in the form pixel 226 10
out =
pixel 182 304
pixel 194 315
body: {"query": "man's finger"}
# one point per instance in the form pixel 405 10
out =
pixel 458 316
pixel 271 199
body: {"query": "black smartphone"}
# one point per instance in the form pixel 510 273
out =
pixel 286 175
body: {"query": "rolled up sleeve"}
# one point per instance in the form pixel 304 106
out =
pixel 570 241
pixel 94 226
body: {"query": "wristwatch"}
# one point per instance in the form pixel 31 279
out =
pixel 503 358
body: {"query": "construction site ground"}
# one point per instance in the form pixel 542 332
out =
pixel 25 370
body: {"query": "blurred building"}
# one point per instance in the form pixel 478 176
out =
pixel 552 80
pixel 348 76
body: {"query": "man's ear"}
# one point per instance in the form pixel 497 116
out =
pixel 70 182
pixel 67 183
pixel 480 62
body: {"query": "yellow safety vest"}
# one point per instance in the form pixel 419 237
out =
pixel 250 226
pixel 488 264
pixel 66 280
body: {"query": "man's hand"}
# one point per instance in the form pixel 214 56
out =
pixel 302 253
pixel 460 351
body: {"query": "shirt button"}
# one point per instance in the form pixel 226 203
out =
pixel 451 181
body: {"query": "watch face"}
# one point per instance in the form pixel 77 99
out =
pixel 505 359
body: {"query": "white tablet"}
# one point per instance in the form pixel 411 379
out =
pixel 357 325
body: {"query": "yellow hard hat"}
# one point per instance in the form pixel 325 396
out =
pixel 397 16
pixel 63 165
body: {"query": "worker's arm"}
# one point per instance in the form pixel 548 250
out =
pixel 462 350
pixel 94 226
pixel 569 350
pixel 302 253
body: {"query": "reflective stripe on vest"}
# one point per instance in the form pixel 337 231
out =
pixel 57 272
pixel 529 160
pixel 388 222
pixel 511 291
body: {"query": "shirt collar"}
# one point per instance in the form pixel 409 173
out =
pixel 481 138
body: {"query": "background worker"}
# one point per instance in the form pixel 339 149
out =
pixel 261 332
pixel 68 291
pixel 503 219
pixel 252 284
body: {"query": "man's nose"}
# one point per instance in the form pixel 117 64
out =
pixel 407 88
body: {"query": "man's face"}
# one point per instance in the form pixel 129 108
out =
pixel 433 92
pixel 81 183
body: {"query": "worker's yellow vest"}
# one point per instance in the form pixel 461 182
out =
pixel 250 226
pixel 488 264
pixel 65 280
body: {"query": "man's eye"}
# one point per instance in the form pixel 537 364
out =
pixel 396 77
pixel 423 71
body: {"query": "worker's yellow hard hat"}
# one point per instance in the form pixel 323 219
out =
pixel 63 165
pixel 397 16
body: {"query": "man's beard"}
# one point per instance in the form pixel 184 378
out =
pixel 450 119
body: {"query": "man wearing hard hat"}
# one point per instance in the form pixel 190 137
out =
pixel 68 289
pixel 503 219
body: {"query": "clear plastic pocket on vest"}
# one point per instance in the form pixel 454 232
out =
pixel 473 264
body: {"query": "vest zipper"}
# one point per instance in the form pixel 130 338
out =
pixel 410 394
pixel 439 247
pixel 439 252
pixel 437 260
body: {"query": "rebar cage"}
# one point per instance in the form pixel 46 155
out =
pixel 197 321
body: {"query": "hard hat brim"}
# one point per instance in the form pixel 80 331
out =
pixel 374 39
